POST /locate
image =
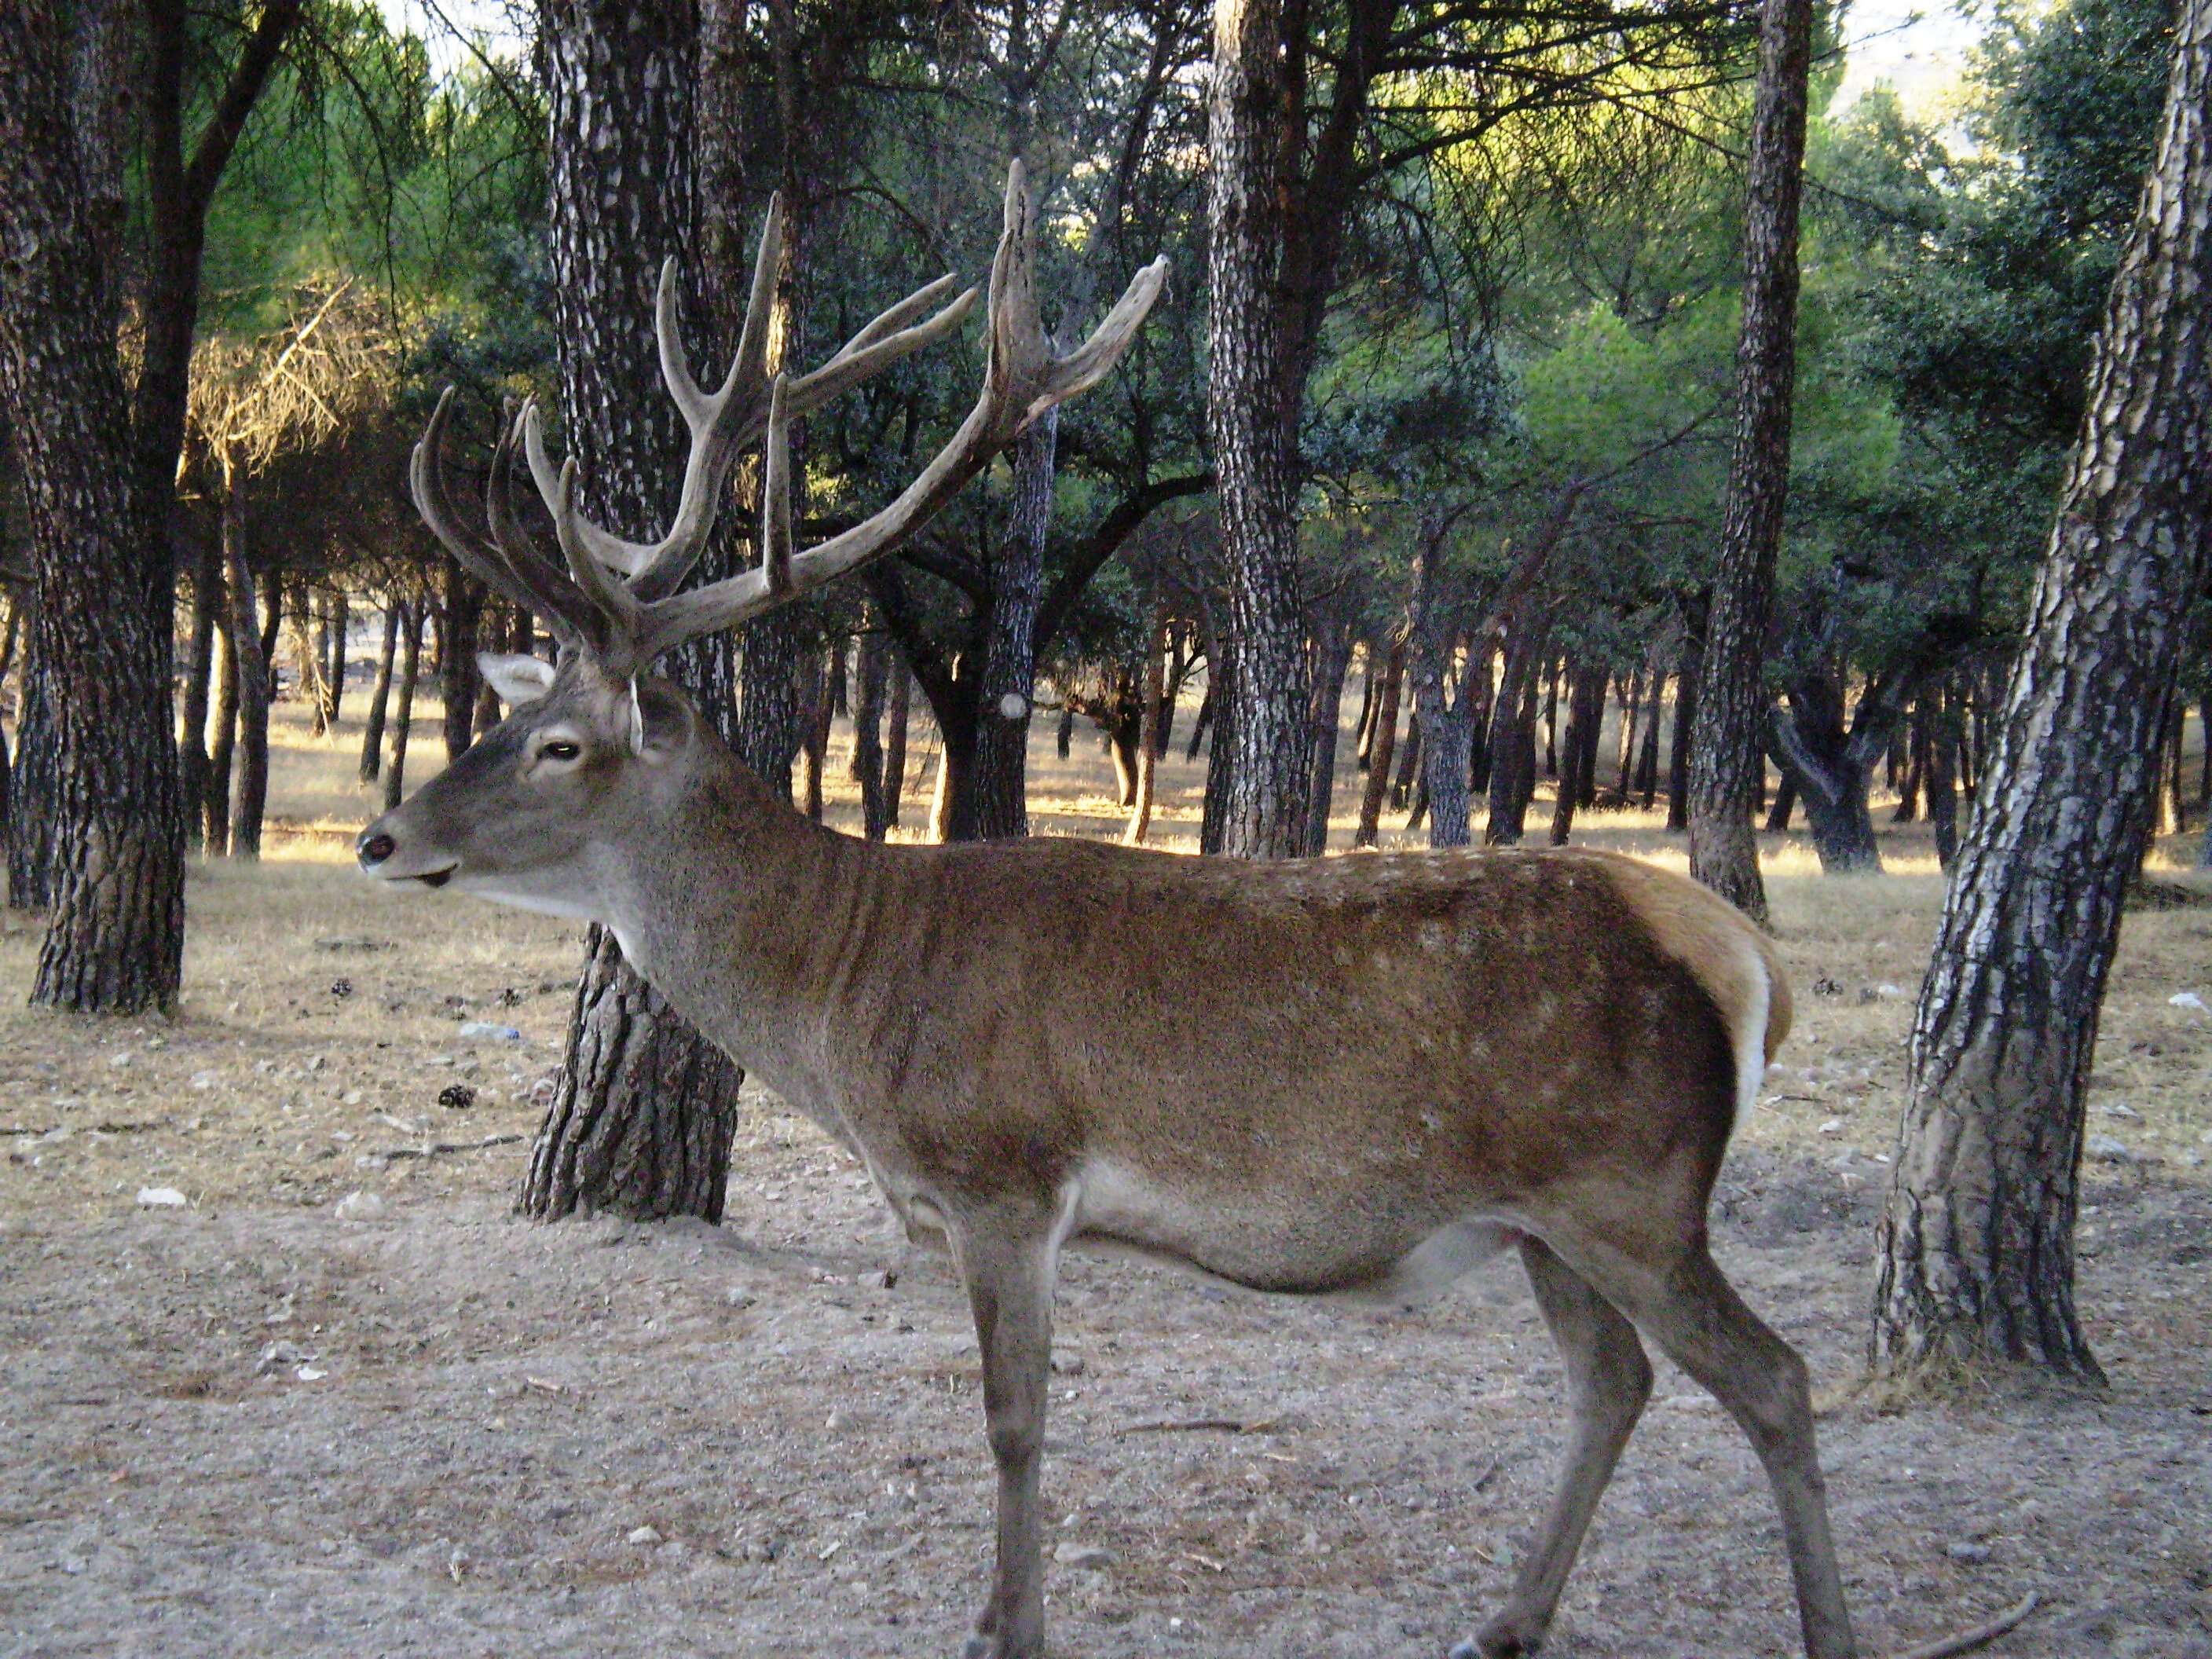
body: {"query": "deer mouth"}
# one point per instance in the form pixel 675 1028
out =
pixel 435 878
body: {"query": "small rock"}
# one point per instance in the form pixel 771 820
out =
pixel 2120 1109
pixel 1834 1125
pixel 2186 1000
pixel 2106 1150
pixel 1889 993
pixel 204 1080
pixel 122 1057
pixel 836 1422
pixel 359 1206
pixel 1972 1554
pixel 1072 1554
pixel 645 1536
pixel 279 1355
pixel 458 1096
pixel 457 1564
pixel 341 988
pixel 351 1098
pixel 1069 1364
pixel 310 1374
pixel 886 1279
pixel 485 1030
pixel 160 1198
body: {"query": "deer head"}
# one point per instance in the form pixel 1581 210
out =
pixel 532 814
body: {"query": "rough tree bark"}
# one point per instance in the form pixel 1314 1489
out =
pixel 1725 770
pixel 999 776
pixel 645 1108
pixel 115 940
pixel 868 679
pixel 1332 665
pixel 898 713
pixel 1148 731
pixel 1264 788
pixel 213 804
pixel 458 680
pixel 1975 1248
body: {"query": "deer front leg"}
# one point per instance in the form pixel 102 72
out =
pixel 1009 1265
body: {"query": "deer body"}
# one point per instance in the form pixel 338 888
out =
pixel 1348 1078
pixel 1289 1076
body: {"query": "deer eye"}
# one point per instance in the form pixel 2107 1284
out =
pixel 561 749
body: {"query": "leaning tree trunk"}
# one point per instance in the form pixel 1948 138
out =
pixel 114 940
pixel 1332 664
pixel 999 778
pixel 644 1110
pixel 1975 1248
pixel 1725 764
pixel 379 698
pixel 1264 785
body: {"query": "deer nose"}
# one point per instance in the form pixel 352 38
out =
pixel 375 849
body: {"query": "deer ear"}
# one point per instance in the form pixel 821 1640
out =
pixel 518 680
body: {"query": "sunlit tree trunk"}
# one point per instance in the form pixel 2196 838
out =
pixel 250 791
pixel 402 703
pixel 1725 768
pixel 1975 1248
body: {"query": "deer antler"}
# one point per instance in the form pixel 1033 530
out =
pixel 1022 380
pixel 625 623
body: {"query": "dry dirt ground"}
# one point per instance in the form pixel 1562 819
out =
pixel 249 1425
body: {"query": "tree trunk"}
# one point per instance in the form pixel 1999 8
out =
pixel 458 680
pixel 100 556
pixel 1386 742
pixel 1513 734
pixel 1678 757
pixel 310 651
pixel 34 782
pixel 336 618
pixel 1363 732
pixel 1784 806
pixel 1941 789
pixel 1552 716
pixel 868 730
pixel 2172 804
pixel 223 747
pixel 1833 768
pixel 1000 775
pixel 1409 758
pixel 1585 709
pixel 379 697
pixel 1251 415
pixel 250 795
pixel 403 714
pixel 645 1108
pixel 1724 751
pixel 199 671
pixel 1975 1248
pixel 1148 732
pixel 900 713
pixel 1333 666
pixel 1632 693
pixel 1647 763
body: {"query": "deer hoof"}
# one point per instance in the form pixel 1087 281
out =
pixel 1503 1638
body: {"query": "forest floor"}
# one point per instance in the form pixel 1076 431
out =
pixel 274 1417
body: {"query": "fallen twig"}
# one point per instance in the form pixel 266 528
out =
pixel 1968 1641
pixel 438 1148
pixel 1199 1426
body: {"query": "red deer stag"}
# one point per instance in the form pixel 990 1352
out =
pixel 1353 1077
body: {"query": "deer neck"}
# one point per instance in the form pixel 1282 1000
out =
pixel 738 908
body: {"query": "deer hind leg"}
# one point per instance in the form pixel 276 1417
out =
pixel 1009 1264
pixel 1608 1379
pixel 1690 1310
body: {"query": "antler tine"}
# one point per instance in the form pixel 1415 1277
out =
pixel 617 611
pixel 425 478
pixel 1022 380
pixel 552 595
